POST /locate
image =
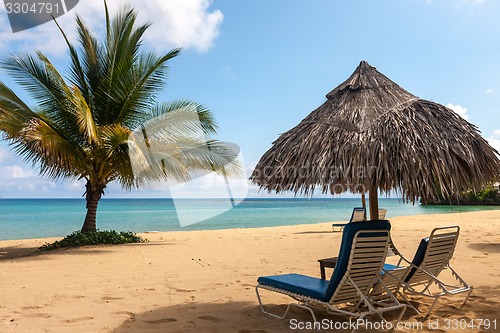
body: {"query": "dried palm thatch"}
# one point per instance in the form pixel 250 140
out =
pixel 371 135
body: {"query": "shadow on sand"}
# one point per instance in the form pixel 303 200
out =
pixel 246 317
pixel 237 317
pixel 486 247
pixel 30 252
pixel 317 232
pixel 22 252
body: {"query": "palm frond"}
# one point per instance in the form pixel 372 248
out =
pixel 18 121
pixel 116 161
pixel 147 78
pixel 13 112
pixel 84 117
pixel 174 145
pixel 10 99
pixel 104 120
pixel 180 111
pixel 123 43
pixel 31 74
pixel 93 58
pixel 40 143
pixel 77 74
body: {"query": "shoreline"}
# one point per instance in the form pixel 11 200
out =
pixel 202 281
pixel 149 232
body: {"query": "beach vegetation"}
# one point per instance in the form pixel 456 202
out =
pixel 487 196
pixel 81 124
pixel 79 238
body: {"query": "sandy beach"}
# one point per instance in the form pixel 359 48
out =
pixel 203 281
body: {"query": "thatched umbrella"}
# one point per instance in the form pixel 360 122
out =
pixel 372 135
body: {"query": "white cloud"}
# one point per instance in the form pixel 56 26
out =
pixel 460 110
pixel 3 154
pixel 182 23
pixel 489 91
pixel 76 184
pixel 19 179
pixel 16 172
pixel 494 140
pixel 175 23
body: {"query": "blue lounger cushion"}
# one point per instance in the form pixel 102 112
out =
pixel 419 257
pixel 390 267
pixel 298 284
pixel 312 287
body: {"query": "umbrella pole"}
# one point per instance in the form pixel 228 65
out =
pixel 373 203
pixel 363 202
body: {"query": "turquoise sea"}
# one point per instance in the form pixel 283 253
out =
pixel 37 218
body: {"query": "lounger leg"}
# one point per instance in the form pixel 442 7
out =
pixel 267 312
pixel 360 318
pixel 408 302
pixel 307 308
pixel 432 308
pixel 358 305
pixel 403 310
pixel 426 287
pixel 287 308
pixel 467 297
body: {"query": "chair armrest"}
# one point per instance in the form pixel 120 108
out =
pixel 329 262
pixel 326 263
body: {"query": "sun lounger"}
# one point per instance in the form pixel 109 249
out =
pixel 420 276
pixel 361 258
pixel 358 214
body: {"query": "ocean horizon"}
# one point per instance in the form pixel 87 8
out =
pixel 41 218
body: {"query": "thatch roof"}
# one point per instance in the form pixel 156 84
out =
pixel 371 133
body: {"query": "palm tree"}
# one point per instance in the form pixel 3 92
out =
pixel 82 125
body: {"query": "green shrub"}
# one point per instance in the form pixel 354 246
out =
pixel 79 238
pixel 487 194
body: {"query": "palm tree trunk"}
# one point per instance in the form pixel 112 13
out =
pixel 93 195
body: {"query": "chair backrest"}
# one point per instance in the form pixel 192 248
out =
pixel 358 214
pixel 361 258
pixel 381 213
pixel 433 254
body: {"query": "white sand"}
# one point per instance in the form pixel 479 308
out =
pixel 203 281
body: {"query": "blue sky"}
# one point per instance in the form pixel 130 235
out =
pixel 262 66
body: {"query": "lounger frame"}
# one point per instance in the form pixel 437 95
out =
pixel 352 296
pixel 358 215
pixel 440 249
